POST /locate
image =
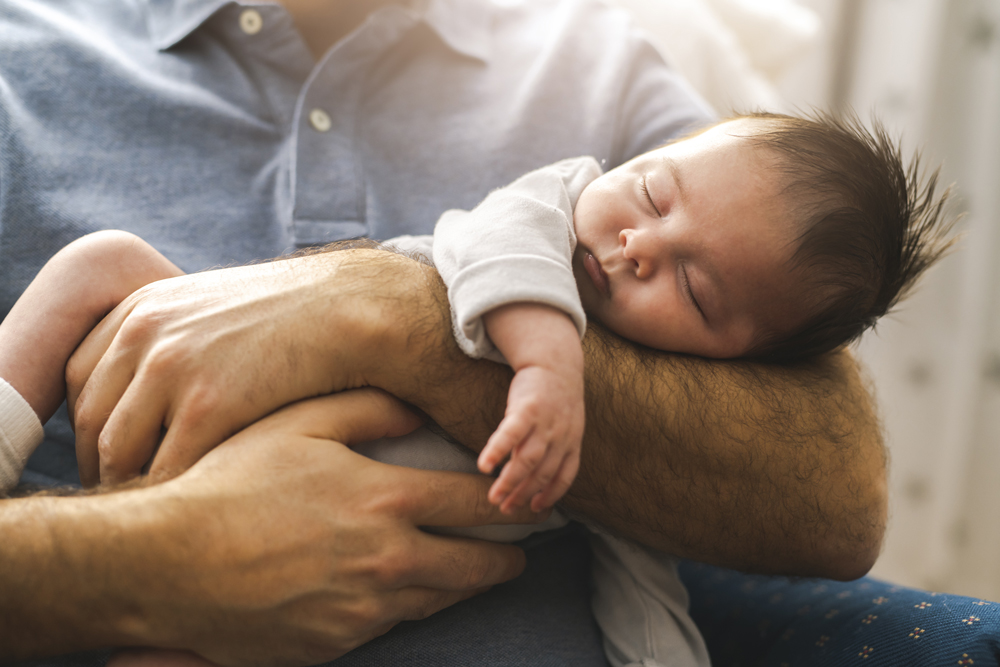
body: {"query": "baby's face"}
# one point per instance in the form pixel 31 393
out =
pixel 685 248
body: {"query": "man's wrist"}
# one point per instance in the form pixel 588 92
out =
pixel 69 571
pixel 380 309
pixel 412 352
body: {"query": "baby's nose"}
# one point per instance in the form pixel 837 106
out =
pixel 636 250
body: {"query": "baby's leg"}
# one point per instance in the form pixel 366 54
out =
pixel 73 291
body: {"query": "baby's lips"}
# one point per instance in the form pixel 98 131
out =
pixel 596 273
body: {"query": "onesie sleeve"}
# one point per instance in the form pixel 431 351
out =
pixel 517 245
pixel 20 433
pixel 417 247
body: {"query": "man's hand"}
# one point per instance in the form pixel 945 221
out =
pixel 281 546
pixel 205 355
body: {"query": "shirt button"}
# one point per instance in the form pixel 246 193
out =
pixel 320 120
pixel 251 22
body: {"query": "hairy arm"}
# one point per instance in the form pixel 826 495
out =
pixel 754 467
pixel 749 466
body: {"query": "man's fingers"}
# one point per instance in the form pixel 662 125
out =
pixel 459 564
pixel 157 657
pixel 87 355
pixel 351 417
pixel 416 603
pixel 130 435
pixel 450 499
pixel 93 408
pixel 347 417
pixel 186 441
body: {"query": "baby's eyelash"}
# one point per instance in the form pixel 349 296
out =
pixel 645 191
pixel 687 290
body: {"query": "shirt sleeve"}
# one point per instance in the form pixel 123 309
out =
pixel 20 433
pixel 516 246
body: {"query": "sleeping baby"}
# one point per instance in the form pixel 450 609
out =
pixel 762 237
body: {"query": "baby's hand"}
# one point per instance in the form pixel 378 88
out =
pixel 541 431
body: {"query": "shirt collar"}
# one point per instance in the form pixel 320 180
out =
pixel 170 21
pixel 464 25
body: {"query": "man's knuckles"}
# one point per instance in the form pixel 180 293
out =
pixel 88 420
pixel 142 317
pixel 120 458
pixel 395 564
pixel 78 370
pixel 164 358
pixel 363 614
pixel 198 407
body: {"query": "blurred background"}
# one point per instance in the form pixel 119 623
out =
pixel 930 69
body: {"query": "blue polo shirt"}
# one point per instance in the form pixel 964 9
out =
pixel 208 128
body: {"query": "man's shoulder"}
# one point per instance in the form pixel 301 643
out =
pixel 581 22
pixel 618 80
pixel 551 8
pixel 44 17
pixel 46 41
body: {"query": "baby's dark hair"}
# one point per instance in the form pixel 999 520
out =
pixel 870 227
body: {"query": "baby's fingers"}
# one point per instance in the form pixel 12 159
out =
pixel 538 479
pixel 510 433
pixel 521 466
pixel 559 485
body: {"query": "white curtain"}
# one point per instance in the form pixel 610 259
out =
pixel 931 69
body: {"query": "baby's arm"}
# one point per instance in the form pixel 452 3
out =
pixel 507 265
pixel 71 294
pixel 543 425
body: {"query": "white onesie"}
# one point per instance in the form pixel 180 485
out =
pixel 20 434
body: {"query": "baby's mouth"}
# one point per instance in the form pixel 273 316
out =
pixel 596 273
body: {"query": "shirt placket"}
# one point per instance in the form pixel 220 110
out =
pixel 328 190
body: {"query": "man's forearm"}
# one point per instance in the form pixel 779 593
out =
pixel 61 573
pixel 750 466
pixel 763 468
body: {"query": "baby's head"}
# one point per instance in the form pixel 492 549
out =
pixel 764 236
